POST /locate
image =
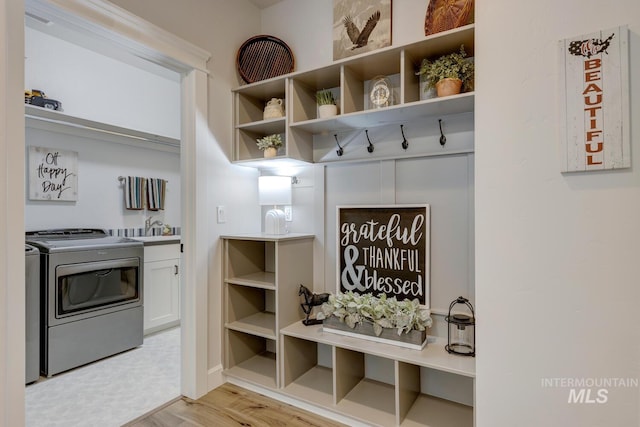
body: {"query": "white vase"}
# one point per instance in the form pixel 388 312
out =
pixel 327 110
pixel 270 152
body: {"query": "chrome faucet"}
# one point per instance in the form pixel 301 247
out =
pixel 148 225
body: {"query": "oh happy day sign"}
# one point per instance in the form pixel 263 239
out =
pixel 384 250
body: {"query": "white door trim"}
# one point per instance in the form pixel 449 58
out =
pixel 109 23
pixel 12 196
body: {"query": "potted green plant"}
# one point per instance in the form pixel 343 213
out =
pixel 326 104
pixel 270 144
pixel 449 74
pixel 378 318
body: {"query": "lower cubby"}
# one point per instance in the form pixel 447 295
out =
pixel 251 358
pixel 416 403
pixel 377 384
pixel 435 412
pixel 360 391
pixel 307 371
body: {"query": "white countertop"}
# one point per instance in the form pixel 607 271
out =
pixel 158 240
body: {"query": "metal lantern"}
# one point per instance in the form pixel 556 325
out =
pixel 461 336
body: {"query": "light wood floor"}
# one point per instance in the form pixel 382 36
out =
pixel 232 406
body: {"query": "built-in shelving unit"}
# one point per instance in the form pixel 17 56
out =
pixel 348 79
pixel 372 383
pixel 262 275
pixel 57 121
pixel 343 385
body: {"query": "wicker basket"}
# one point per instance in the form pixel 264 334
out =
pixel 263 57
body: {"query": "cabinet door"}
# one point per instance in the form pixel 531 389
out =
pixel 161 294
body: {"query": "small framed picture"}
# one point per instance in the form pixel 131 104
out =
pixel 360 26
pixel 53 174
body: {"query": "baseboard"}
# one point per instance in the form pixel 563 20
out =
pixel 215 378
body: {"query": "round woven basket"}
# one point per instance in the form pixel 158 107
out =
pixel 263 57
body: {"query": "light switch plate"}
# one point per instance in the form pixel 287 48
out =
pixel 222 214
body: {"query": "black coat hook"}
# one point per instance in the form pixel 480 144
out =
pixel 443 139
pixel 339 151
pixel 370 147
pixel 405 144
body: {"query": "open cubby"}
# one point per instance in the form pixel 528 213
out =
pixel 357 393
pixel 304 375
pixel 251 310
pixel 249 357
pixel 250 102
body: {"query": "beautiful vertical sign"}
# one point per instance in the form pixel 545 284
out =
pixel 595 101
pixel 384 250
pixel 53 174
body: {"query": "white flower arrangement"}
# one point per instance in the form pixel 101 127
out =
pixel 383 312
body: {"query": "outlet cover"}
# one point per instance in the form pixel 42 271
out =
pixel 288 213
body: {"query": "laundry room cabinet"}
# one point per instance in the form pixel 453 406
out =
pixel 161 287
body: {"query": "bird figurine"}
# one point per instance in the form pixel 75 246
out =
pixel 360 38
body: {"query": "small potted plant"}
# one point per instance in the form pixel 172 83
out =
pixel 326 104
pixel 449 74
pixel 270 144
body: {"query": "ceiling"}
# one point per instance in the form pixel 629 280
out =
pixel 264 3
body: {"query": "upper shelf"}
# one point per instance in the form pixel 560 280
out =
pixel 350 80
pixel 42 118
pixel 375 61
pixel 395 114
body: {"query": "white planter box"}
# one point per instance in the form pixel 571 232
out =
pixel 415 340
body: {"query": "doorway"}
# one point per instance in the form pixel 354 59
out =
pixel 111 26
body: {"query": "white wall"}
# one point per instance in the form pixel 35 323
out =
pixel 445 183
pixel 306 25
pixel 556 255
pixel 100 195
pixel 93 86
pixel 220 27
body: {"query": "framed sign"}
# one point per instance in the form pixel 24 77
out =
pixel 360 26
pixel 384 250
pixel 594 104
pixel 53 174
